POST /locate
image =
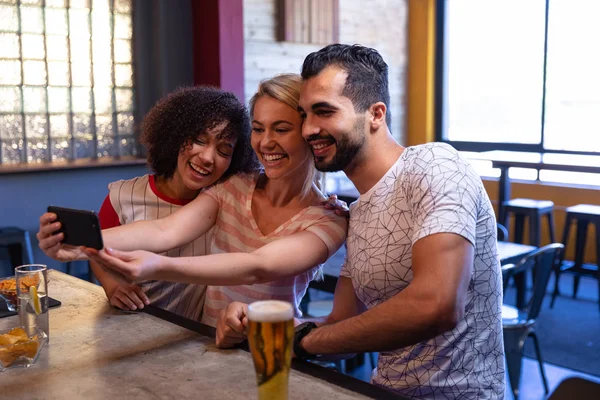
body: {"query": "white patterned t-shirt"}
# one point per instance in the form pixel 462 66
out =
pixel 431 189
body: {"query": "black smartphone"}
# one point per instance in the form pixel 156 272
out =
pixel 81 227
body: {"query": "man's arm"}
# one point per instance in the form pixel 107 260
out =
pixel 430 305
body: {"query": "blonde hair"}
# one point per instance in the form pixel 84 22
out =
pixel 286 88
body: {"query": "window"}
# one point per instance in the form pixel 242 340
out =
pixel 66 88
pixel 519 75
pixel 308 21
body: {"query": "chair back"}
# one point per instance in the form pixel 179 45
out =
pixel 542 261
pixel 502 233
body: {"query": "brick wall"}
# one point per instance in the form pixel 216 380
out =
pixel 378 23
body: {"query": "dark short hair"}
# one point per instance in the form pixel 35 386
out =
pixel 367 81
pixel 181 116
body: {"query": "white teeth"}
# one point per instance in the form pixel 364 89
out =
pixel 320 146
pixel 199 170
pixel 273 157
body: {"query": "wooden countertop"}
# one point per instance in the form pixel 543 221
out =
pixel 96 352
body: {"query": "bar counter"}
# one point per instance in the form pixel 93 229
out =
pixel 97 352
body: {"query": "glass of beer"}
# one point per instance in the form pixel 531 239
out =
pixel 271 336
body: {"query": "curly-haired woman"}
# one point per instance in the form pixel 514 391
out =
pixel 195 136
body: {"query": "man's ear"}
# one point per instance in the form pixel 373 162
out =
pixel 377 112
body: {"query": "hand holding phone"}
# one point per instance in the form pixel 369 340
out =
pixel 80 227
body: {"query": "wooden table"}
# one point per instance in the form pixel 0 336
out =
pixel 508 252
pixel 504 160
pixel 96 352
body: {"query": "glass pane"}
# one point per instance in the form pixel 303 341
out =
pixel 80 50
pixel 56 3
pixel 128 146
pixel 106 146
pixel 12 152
pixel 57 47
pixel 101 24
pixel 32 2
pixel 33 47
pixel 124 99
pixel 494 74
pixel 9 45
pixel 123 75
pixel 79 3
pixel 84 147
pixel 103 100
pixel 81 100
pixel 81 74
pixel 79 23
pixel 9 18
pixel 11 72
pixel 36 126
pixel 572 80
pixel 31 20
pixel 10 99
pixel 100 5
pixel 59 125
pixel 125 122
pixel 34 72
pixel 37 150
pixel 60 149
pixel 574 178
pixel 9 1
pixel 104 126
pixel 56 21
pixel 103 72
pixel 123 51
pixel 122 26
pixel 81 126
pixel 11 126
pixel 58 99
pixel 123 6
pixel 58 73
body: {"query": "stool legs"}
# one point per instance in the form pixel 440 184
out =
pixel 551 227
pixel 579 253
pixel 557 271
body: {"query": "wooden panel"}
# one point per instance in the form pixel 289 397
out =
pixel 308 21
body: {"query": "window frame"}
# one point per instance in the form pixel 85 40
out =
pixel 441 93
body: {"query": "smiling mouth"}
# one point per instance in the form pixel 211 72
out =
pixel 273 157
pixel 198 169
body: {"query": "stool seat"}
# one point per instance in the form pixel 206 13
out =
pixel 530 204
pixel 588 211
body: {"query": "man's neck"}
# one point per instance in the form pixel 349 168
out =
pixel 374 161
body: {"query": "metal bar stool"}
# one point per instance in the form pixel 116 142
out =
pixel 583 215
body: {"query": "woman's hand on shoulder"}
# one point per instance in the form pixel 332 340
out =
pixel 339 206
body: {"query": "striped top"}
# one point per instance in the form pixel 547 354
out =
pixel 237 231
pixel 138 199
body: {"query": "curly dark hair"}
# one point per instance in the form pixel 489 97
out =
pixel 181 116
pixel 367 81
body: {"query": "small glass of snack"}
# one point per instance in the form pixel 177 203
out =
pixel 19 350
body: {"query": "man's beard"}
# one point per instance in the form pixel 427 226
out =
pixel 345 150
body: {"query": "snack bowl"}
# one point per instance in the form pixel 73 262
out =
pixel 17 349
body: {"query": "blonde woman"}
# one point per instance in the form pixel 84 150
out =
pixel 271 229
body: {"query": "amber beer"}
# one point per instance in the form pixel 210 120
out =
pixel 270 336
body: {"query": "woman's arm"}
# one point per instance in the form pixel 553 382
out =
pixel 181 227
pixel 281 258
pixel 175 230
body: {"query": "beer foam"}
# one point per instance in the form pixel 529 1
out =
pixel 270 311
